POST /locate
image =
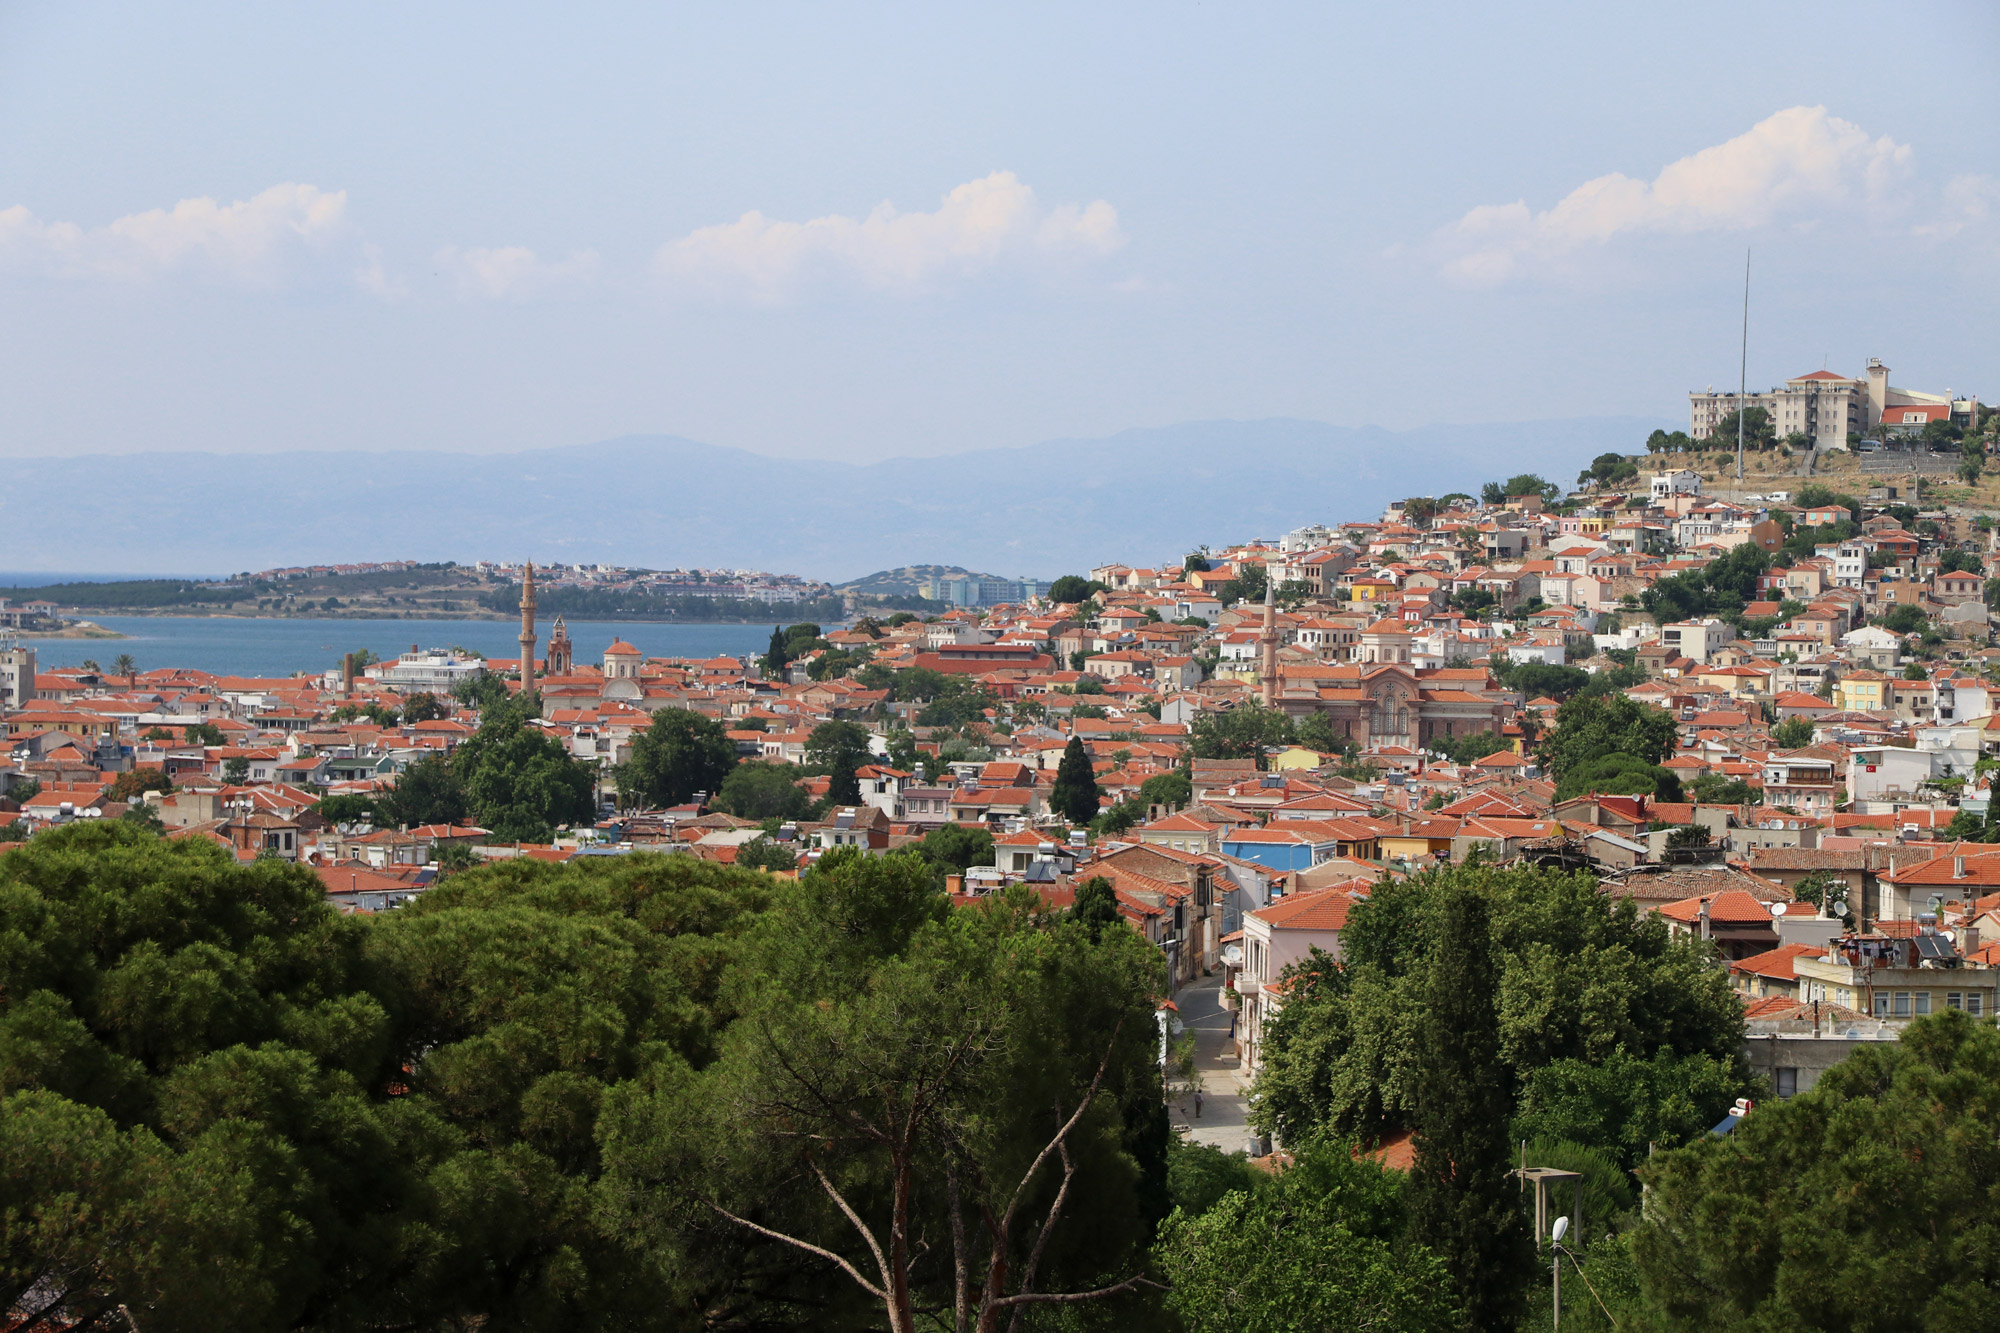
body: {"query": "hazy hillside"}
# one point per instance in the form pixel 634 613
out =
pixel 662 501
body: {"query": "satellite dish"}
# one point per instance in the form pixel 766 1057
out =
pixel 1561 1229
pixel 1777 909
pixel 1840 907
pixel 1951 935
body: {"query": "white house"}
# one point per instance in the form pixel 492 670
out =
pixel 1889 774
pixel 1696 639
pixel 1681 481
pixel 1873 646
pixel 1537 648
pixel 1274 938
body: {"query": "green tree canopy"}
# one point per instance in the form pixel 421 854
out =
pixel 680 752
pixel 1526 483
pixel 1591 727
pixel 759 790
pixel 1620 775
pixel 482 691
pixel 1095 906
pixel 1246 585
pixel 1903 618
pixel 1169 789
pixel 1537 680
pixel 1866 1202
pixel 1321 1246
pixel 838 749
pixel 1758 432
pixel 767 854
pixel 1609 470
pixel 1793 733
pixel 956 848
pixel 1072 589
pixel 134 783
pixel 1470 748
pixel 429 791
pixel 909 1080
pixel 423 706
pixel 1581 976
pixel 1315 732
pixel 1242 732
pixel 186 1058
pixel 520 782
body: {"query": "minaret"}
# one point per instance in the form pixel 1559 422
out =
pixel 1267 645
pixel 528 624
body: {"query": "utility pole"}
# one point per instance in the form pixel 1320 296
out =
pixel 1743 367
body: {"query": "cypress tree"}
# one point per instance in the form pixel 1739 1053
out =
pixel 1463 1206
pixel 775 656
pixel 1075 794
pixel 1095 905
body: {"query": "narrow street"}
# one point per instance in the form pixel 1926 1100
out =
pixel 1222 1121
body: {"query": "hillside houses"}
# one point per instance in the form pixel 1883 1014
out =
pixel 1831 700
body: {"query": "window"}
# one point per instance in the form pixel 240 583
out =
pixel 1954 1000
pixel 1788 1082
pixel 1972 1002
pixel 1923 1005
pixel 1882 1004
pixel 1902 1004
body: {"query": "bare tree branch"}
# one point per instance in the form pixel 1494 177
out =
pixel 1132 1283
pixel 874 1246
pixel 1048 1228
pixel 1083 1105
pixel 808 1247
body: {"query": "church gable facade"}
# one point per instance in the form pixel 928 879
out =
pixel 1390 703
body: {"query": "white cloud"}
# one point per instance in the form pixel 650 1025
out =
pixel 253 241
pixel 513 272
pixel 1795 166
pixel 1967 202
pixel 979 225
pixel 373 277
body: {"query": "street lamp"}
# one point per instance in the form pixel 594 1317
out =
pixel 1556 1233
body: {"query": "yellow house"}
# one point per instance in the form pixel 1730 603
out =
pixel 1739 682
pixel 1373 590
pixel 1294 757
pixel 1861 692
pixel 1419 839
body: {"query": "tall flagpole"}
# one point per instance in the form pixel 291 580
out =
pixel 1743 367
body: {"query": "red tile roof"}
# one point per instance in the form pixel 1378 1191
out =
pixel 1325 910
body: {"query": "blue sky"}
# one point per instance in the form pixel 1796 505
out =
pixel 864 231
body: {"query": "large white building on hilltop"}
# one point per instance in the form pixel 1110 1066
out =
pixel 1827 408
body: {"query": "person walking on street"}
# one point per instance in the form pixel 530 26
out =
pixel 1197 1102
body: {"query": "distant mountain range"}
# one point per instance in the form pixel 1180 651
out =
pixel 907 581
pixel 661 501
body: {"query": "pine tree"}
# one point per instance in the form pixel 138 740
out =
pixel 1075 794
pixel 1463 1206
pixel 775 656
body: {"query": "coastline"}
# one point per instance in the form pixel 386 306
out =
pixel 82 629
pixel 369 614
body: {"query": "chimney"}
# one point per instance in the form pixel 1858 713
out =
pixel 1958 867
pixel 1704 919
pixel 1968 941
